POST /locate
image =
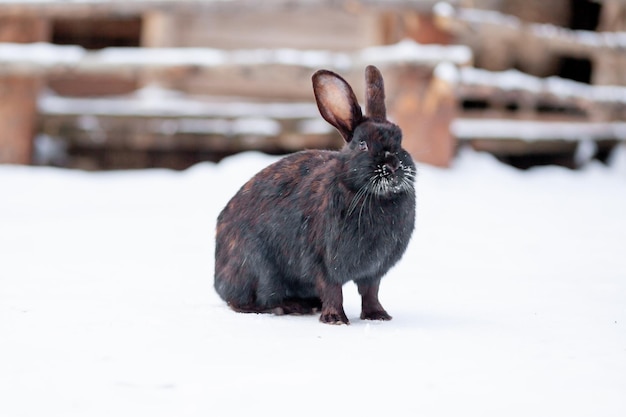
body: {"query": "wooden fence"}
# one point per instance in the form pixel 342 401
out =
pixel 224 100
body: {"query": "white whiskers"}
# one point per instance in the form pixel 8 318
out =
pixel 385 183
pixel 382 183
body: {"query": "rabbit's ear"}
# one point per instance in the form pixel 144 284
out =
pixel 375 93
pixel 337 102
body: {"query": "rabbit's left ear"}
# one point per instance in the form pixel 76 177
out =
pixel 337 102
pixel 375 93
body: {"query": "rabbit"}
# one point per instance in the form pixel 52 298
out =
pixel 301 228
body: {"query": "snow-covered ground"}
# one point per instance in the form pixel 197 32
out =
pixel 511 301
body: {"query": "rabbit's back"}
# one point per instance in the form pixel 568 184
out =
pixel 277 199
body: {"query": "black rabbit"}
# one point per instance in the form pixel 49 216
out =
pixel 307 224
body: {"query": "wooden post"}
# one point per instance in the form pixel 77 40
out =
pixel 18 111
pixel 18 94
pixel 420 27
pixel 424 108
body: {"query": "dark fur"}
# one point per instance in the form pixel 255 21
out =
pixel 307 224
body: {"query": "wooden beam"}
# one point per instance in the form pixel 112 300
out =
pixel 423 107
pixel 84 8
pixel 17 118
pixel 215 135
pixel 527 92
pixel 536 130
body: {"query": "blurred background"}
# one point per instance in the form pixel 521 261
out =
pixel 100 85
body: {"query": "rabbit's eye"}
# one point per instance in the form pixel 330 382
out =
pixel 363 145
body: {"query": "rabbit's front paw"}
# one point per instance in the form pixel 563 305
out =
pixel 334 316
pixel 375 315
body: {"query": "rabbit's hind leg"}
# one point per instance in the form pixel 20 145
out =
pixel 299 306
pixel 249 308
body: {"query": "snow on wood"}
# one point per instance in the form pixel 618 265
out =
pixel 513 80
pixel 39 54
pixel 49 58
pixel 156 102
pixel 413 52
pixel 531 131
pixel 44 58
pixel 50 8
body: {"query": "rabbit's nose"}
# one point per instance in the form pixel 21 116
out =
pixel 392 163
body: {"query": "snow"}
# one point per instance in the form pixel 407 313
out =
pixel 480 16
pixel 207 57
pixel 42 57
pixel 411 51
pixel 532 130
pixel 509 301
pixel 443 9
pixel 43 54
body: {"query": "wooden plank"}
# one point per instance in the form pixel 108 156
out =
pixel 557 139
pixel 507 148
pixel 262 73
pixel 163 133
pixel 23 30
pixel 330 29
pixel 527 93
pixel 78 8
pixel 522 116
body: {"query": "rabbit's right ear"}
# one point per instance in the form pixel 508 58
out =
pixel 337 102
